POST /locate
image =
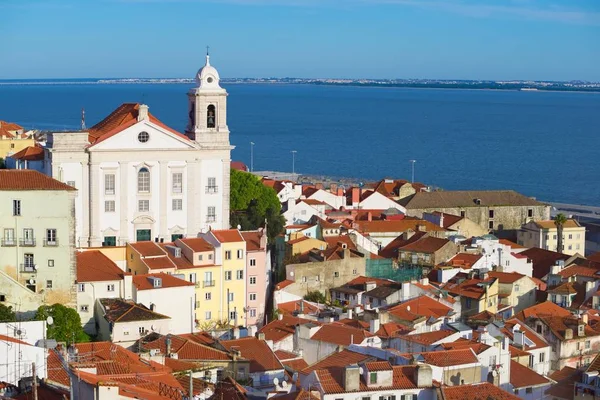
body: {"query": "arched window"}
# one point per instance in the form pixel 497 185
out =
pixel 210 116
pixel 143 180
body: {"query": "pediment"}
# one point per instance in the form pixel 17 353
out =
pixel 143 219
pixel 176 229
pixel 110 231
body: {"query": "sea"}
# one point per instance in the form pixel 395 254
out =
pixel 542 144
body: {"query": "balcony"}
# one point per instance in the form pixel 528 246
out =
pixel 211 219
pixel 9 242
pixel 212 189
pixel 208 284
pixel 27 242
pixel 50 243
pixel 28 268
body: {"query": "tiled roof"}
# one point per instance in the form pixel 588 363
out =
pixel 458 199
pixel 594 257
pixel 545 308
pixel 506 277
pixel 178 262
pixel 390 329
pixel 516 352
pixel 30 153
pixel 395 225
pixel 422 306
pixel 464 259
pixel 227 235
pixel 391 250
pixel 144 282
pixel 565 288
pixel 373 366
pixel 354 323
pixel 186 349
pixel 449 219
pixel 299 395
pixel 283 284
pixel 333 241
pixel 362 280
pixel 484 316
pixel 338 360
pixel 148 249
pixel 564 388
pixel 197 244
pixel 427 244
pixel 279 329
pixel 462 343
pixel 118 310
pixel 403 377
pixel 299 240
pixel 291 306
pixel 28 179
pixel 229 389
pixel 473 288
pixel 559 324
pixel 13 340
pixel 297 364
pixel 511 244
pixel 477 391
pixel 238 165
pixel 428 338
pixel 340 334
pixel 542 260
pixel 579 270
pixel 521 376
pixel 283 355
pixel 257 351
pixel 549 224
pixel 158 263
pixel 94 266
pixel 252 239
pixel 199 337
pixel 450 358
pixel 382 292
pixel 56 371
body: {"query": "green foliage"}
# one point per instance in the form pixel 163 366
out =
pixel 7 314
pixel 559 221
pixel 66 326
pixel 315 296
pixel 252 203
pixel 2 163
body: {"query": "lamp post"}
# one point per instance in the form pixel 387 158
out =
pixel 294 162
pixel 251 156
pixel 413 170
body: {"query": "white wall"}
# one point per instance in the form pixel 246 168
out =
pixel 87 297
pixel 177 303
pixel 16 361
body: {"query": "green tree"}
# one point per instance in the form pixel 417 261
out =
pixel 315 296
pixel 559 221
pixel 2 163
pixel 7 314
pixel 66 326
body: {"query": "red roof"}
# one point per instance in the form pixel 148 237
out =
pixel 428 338
pixel 401 225
pixel 238 165
pixel 543 260
pixel 464 259
pixel 158 263
pixel 291 306
pixel 28 179
pixel 339 359
pixel 521 376
pixel 341 334
pixel 422 306
pixel 506 277
pixel 280 329
pixel 594 257
pixel 450 358
pixel 227 235
pixel 403 377
pixel 197 244
pixel 187 349
pixel 252 239
pixel 477 391
pixel 94 266
pixel 427 244
pixel 143 282
pixel 473 288
pixel 545 308
pixel 12 340
pixel 512 245
pixel 30 153
pixel 257 351
pixel 283 284
pixel 148 249
pixel 378 366
pixel 283 355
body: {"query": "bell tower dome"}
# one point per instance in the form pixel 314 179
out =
pixel 207 108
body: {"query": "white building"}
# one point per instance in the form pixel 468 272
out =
pixel 18 358
pixel 139 179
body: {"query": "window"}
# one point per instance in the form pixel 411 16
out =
pixel 212 185
pixel 144 180
pixel 336 274
pixel 48 284
pixel 207 296
pixel 16 208
pixel 252 296
pixel 239 274
pixel 531 360
pixel 468 303
pixel 354 272
pixel 542 357
pixel 587 344
pixel 211 214
pixel 177 204
pixel 109 241
pixel 252 262
pixel 71 183
pixel 227 275
pixel 83 308
pixel 207 315
pixel 253 280
pixel 240 254
pixel 28 239
pixel 253 312
pixel 51 239
pixel 373 377
pixel 210 256
pixel 81 287
pixel 109 206
pixel 228 255
pixel 232 315
pixel 29 264
pixel 143 205
pixel 210 116
pixel 177 182
pixel 109 184
pixel 142 330
pixel 9 237
pixel 530 213
pixel 143 137
pixel 491 213
pixel 51 263
pixel 110 287
pixel 529 390
pixel 517 288
pixel 491 225
pixel 230 297
pixel 570 236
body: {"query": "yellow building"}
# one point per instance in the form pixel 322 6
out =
pixel 543 234
pixel 299 243
pixel 13 139
pixel 476 295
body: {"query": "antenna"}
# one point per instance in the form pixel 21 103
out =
pixel 83 128
pixel 50 320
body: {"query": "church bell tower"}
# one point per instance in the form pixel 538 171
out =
pixel 207 109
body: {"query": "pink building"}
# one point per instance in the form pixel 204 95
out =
pixel 258 275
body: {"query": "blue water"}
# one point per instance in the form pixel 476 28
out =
pixel 543 144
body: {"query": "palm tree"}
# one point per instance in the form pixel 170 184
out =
pixel 559 221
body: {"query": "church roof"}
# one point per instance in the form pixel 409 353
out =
pixel 123 117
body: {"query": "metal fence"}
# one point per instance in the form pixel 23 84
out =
pixel 387 269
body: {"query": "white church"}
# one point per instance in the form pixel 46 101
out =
pixel 139 179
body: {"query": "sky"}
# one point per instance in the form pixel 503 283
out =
pixel 438 39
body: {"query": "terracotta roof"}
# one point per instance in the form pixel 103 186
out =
pixel 427 244
pixel 354 323
pixel 401 225
pixel 148 249
pixel 252 239
pixel 158 263
pixel 10 126
pixel 30 153
pixel 506 277
pixel 579 270
pixel 94 266
pixel 238 165
pixel 391 329
pixel 428 338
pixel 229 389
pixel 280 329
pixel 13 340
pixel 484 316
pixel 283 284
pixel 434 291
pixel 291 306
pixel 197 245
pixel 283 355
pixel 56 371
pixel 522 377
pixel 449 219
pixel 422 306
pixel 450 358
pixel 299 240
pixel 297 364
pixel 473 288
pixel 559 324
pixel 565 288
pixel 458 199
pixel 179 262
pixel 512 245
pixel 299 395
pixel 373 366
pixel 144 282
pixel 362 280
pixel 257 351
pixel 477 391
pixel 403 377
pixel 516 352
pixel 118 310
pixel 227 235
pixel 549 224
pixel 564 388
pixel 312 202
pixel 341 334
pixel 28 179
pixel 334 241
pixel 186 349
pixel 594 257
pixel 462 343
pixel 464 259
pixel 391 250
pixel 338 360
pixel 542 260
pixel 199 337
pixel 383 292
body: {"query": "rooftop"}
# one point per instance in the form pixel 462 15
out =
pixel 521 376
pixel 30 153
pixel 118 310
pixel 477 391
pixel 186 349
pixel 197 245
pixel 257 351
pixel 477 198
pixel 341 334
pixel 227 235
pixel 27 179
pixel 148 249
pixel 146 281
pixel 94 266
pixel 570 223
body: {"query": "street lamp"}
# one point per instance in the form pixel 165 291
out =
pixel 251 156
pixel 294 162
pixel 413 170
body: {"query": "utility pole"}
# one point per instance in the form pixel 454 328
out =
pixel 294 162
pixel 251 156
pixel 35 396
pixel 413 170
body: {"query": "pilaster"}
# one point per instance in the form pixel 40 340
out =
pixel 163 205
pixel 84 202
pixel 123 208
pixel 226 188
pixel 94 185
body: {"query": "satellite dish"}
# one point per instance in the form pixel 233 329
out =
pixel 19 332
pixel 153 328
pixel 50 320
pixel 361 370
pixel 408 308
pixel 292 273
pixel 239 227
pixel 31 281
pixel 275 381
pixel 284 384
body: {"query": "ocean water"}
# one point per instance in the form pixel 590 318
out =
pixel 543 144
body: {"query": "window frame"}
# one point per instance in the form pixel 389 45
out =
pixel 109 184
pixel 143 180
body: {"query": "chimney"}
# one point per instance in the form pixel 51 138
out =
pixel 408 234
pixel 442 220
pixel 568 334
pixel 261 336
pixel 333 188
pixel 580 328
pixel 263 238
pixel 424 376
pixel 584 318
pixel 280 316
pixel 349 313
pixel 519 339
pixel 589 288
pixel 351 378
pixel 369 216
pixel 355 196
pixel 168 345
pixel 421 228
pixel 319 186
pixel 373 325
pixel 142 113
pixel 340 192
pixel 425 281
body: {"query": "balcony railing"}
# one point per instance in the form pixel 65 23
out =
pixel 211 219
pixel 27 242
pixel 9 242
pixel 208 283
pixel 29 268
pixel 50 243
pixel 212 189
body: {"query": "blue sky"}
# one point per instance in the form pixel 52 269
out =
pixel 461 39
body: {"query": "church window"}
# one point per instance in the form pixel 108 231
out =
pixel 210 116
pixel 212 185
pixel 177 182
pixel 109 206
pixel 144 180
pixel 144 205
pixel 211 215
pixel 177 204
pixel 109 184
pixel 143 137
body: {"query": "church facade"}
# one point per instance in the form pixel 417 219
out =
pixel 139 179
